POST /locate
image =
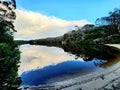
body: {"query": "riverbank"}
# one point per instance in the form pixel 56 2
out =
pixel 106 80
pixel 114 45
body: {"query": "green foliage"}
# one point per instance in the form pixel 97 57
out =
pixel 104 33
pixel 113 18
pixel 3 28
pixel 9 59
pixel 9 53
pixel 6 38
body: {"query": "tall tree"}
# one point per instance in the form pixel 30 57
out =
pixel 112 18
pixel 9 54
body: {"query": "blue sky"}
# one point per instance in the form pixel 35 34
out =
pixel 50 18
pixel 71 9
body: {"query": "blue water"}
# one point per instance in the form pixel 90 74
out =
pixel 43 75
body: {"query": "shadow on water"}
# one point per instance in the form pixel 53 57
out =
pixel 94 57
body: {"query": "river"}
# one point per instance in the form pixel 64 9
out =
pixel 46 65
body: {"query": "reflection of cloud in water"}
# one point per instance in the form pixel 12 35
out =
pixel 33 57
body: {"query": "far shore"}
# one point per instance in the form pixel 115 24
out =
pixel 114 45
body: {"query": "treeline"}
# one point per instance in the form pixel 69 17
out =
pixel 105 30
pixel 9 52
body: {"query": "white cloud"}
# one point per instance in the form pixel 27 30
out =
pixel 33 25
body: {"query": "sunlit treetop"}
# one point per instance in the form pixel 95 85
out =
pixel 7 14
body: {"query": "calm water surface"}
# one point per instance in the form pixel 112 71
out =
pixel 34 57
pixel 41 64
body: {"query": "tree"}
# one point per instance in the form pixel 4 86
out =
pixel 87 27
pixel 112 19
pixel 9 54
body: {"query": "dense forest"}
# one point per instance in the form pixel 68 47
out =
pixel 9 52
pixel 105 31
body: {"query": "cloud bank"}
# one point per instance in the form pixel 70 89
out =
pixel 34 25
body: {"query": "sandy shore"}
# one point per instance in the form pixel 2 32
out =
pixel 106 80
pixel 114 45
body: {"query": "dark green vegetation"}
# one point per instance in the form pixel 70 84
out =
pixel 9 53
pixel 106 31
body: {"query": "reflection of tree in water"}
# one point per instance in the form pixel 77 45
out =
pixel 99 53
pixel 9 53
pixel 88 52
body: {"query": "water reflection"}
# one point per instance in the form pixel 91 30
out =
pixel 51 64
pixel 61 70
pixel 110 55
pixel 89 52
pixel 33 57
